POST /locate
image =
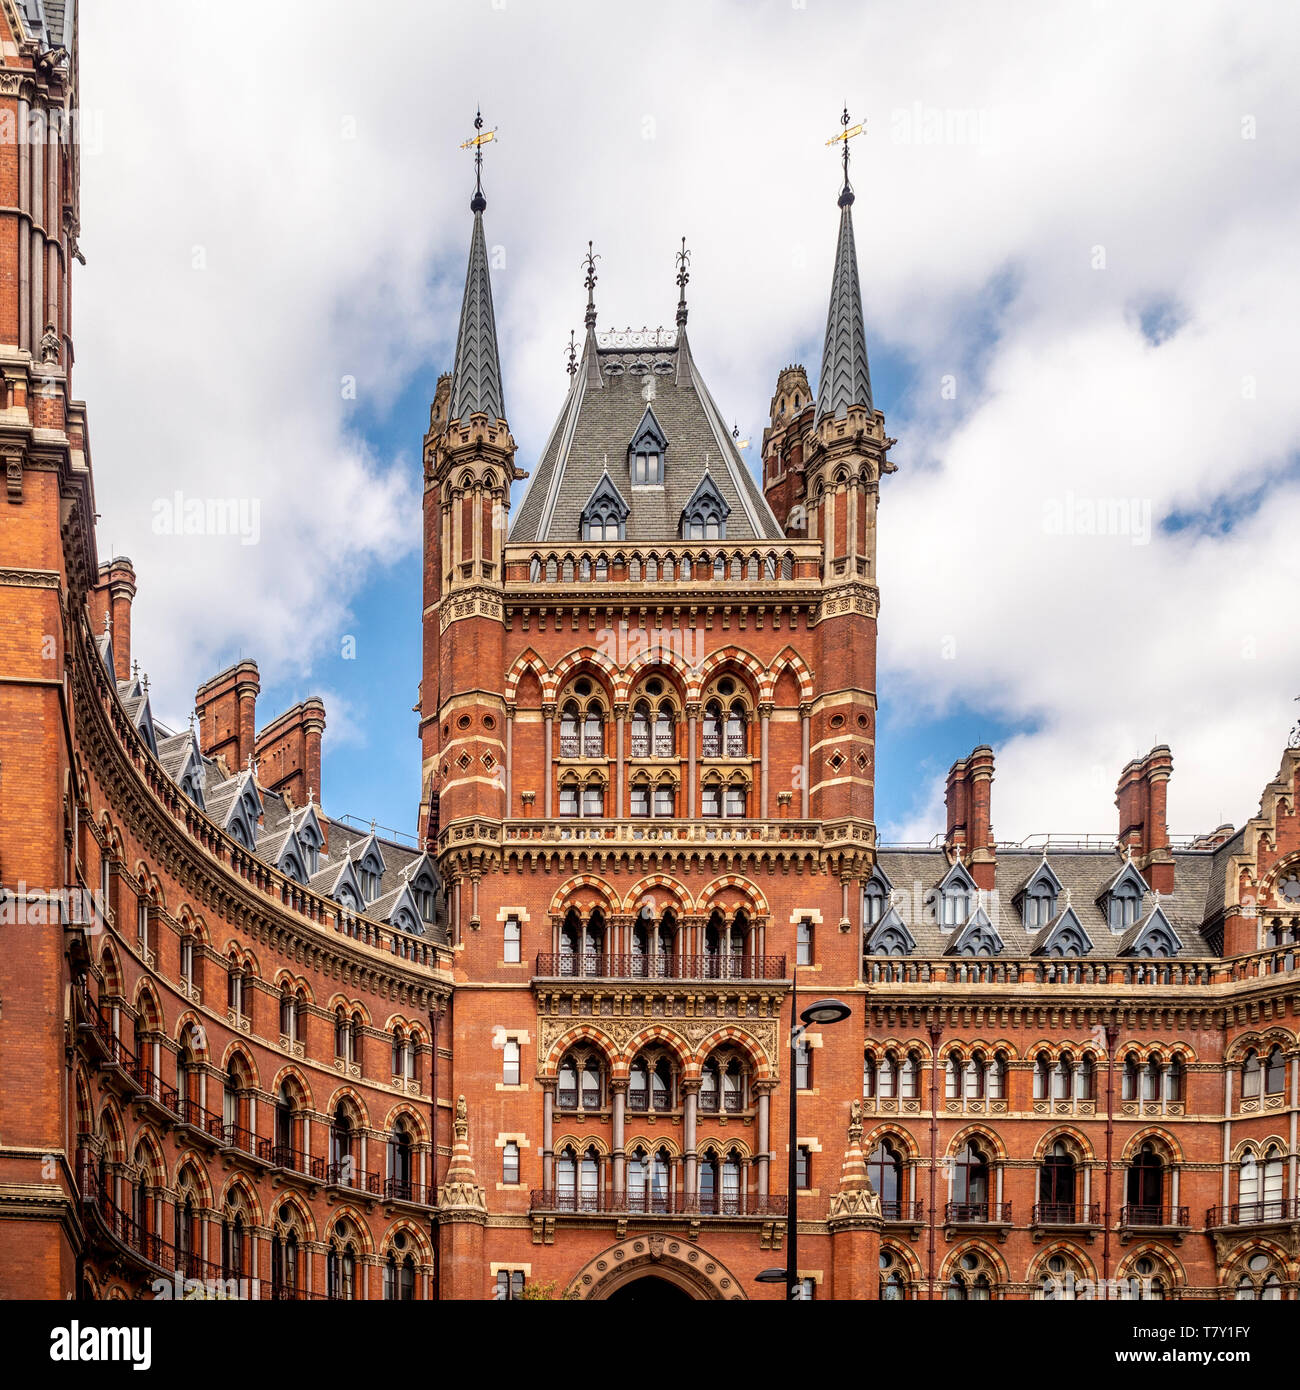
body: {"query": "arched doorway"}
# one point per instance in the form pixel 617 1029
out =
pixel 642 1265
pixel 650 1288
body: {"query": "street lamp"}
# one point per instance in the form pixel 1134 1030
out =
pixel 824 1012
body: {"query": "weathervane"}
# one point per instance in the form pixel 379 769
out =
pixel 589 262
pixel 683 259
pixel 480 138
pixel 843 138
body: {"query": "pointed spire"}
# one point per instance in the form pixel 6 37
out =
pixel 855 1198
pixel 460 1188
pixel 845 378
pixel 476 379
pixel 592 377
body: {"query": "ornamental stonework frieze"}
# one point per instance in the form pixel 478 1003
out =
pixel 471 603
pixel 853 597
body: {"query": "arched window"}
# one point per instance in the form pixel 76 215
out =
pixel 911 1076
pixel 581 1080
pixel 663 731
pixel 1252 1075
pixel 1261 1187
pixel 880 1075
pixel 341 1266
pixel 1274 1072
pixel 1259 1279
pixel 723 1084
pixel 1059 1282
pixel 400 1150
pixel 735 730
pixel 641 729
pixel 885 1173
pixel 593 731
pixel 1145 1281
pixel 970 1281
pixel 1131 1075
pixel 569 720
pixel 284 1127
pixel 342 1168
pixel 711 735
pixel 873 902
pixel 970 1184
pixel 893 1281
pixel 1042 1076
pixel 1057 1185
pixel 589 1180
pixel 1146 1188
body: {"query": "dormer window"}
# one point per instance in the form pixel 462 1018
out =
pixel 645 453
pixel 647 469
pixel 704 517
pixel 1040 897
pixel 1124 898
pixel 604 517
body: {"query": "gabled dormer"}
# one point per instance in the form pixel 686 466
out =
pixel 1121 899
pixel 1154 936
pixel 890 936
pixel 876 897
pixel 370 866
pixel 143 721
pixel 979 937
pixel 647 452
pixel 704 517
pixel 1038 898
pixel 1066 936
pixel 404 914
pixel 291 861
pixel 244 813
pixel 604 518
pixel 957 894
pixel 310 836
pixel 424 887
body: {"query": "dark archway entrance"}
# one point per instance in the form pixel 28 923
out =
pixel 650 1289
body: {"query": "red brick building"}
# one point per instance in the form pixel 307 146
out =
pixel 543 1049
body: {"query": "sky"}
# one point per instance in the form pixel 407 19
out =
pixel 1076 227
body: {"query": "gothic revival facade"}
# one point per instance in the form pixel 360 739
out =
pixel 542 1050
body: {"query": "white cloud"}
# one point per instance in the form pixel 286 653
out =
pixel 313 161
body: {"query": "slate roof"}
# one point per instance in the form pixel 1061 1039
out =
pixel 476 379
pixel 845 378
pixel 596 426
pixel 1083 874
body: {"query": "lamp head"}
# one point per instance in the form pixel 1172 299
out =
pixel 826 1011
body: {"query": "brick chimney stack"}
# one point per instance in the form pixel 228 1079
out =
pixel 1141 797
pixel 288 751
pixel 112 595
pixel 227 710
pixel 970 826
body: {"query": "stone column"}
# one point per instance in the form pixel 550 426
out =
pixel 764 717
pixel 619 1091
pixel 548 771
pixel 692 718
pixel 620 714
pixel 763 1149
pixel 805 715
pixel 548 1134
pixel 690 1099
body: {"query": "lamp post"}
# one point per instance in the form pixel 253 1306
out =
pixel 824 1012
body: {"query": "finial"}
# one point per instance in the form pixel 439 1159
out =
pixel 191 721
pixel 590 282
pixel 1294 740
pixel 573 355
pixel 108 621
pixel 683 259
pixel 476 142
pixel 846 134
pixel 135 667
pixel 311 796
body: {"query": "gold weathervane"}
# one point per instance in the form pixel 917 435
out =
pixel 476 142
pixel 843 138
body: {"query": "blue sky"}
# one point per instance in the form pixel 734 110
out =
pixel 1077 254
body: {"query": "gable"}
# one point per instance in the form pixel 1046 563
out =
pixel 979 937
pixel 1066 936
pixel 890 936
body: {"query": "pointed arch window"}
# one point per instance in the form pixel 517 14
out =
pixel 885 1172
pixel 1146 1188
pixel 1057 1184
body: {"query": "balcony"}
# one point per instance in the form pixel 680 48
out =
pixel 637 828
pixel 977 1214
pixel 745 1205
pixel 566 966
pixel 1067 1213
pixel 587 746
pixel 1168 1218
pixel 1277 1211
pixel 723 746
pixel 658 746
pixel 903 1213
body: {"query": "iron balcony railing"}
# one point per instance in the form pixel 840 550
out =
pixel 911 1212
pixel 652 746
pixel 650 1203
pixel 661 967
pixel 977 1213
pixel 1135 1214
pixel 1067 1213
pixel 1254 1213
